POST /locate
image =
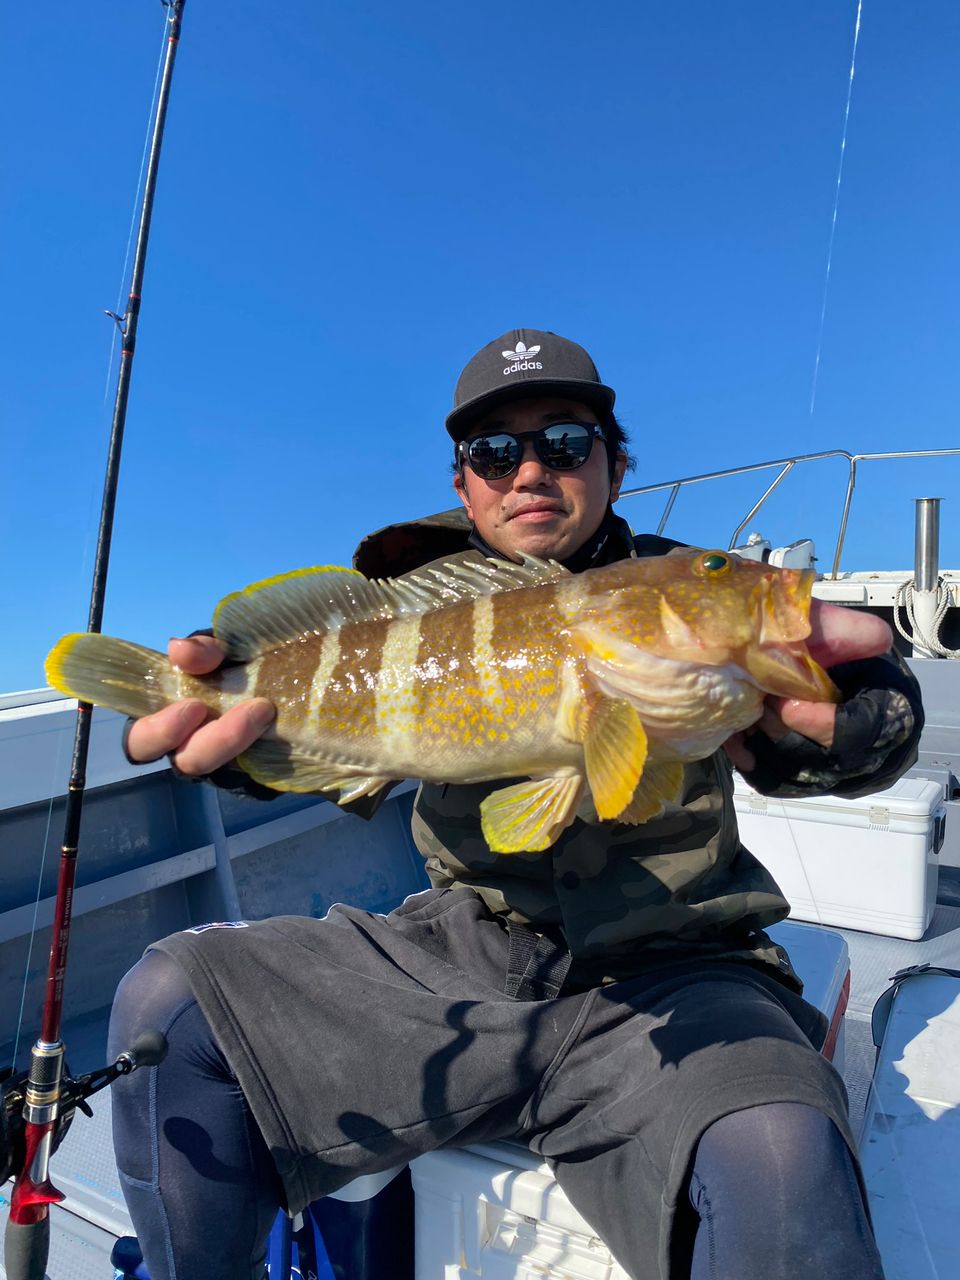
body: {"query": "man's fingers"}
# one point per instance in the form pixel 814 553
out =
pixel 842 635
pixel 223 739
pixel 152 737
pixel 197 655
pixel 815 720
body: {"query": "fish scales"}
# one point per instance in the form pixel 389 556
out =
pixel 466 679
pixel 484 676
pixel 289 667
pixel 347 711
pixel 397 689
pixel 326 664
pixel 446 681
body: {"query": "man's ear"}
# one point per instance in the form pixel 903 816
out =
pixel 461 488
pixel 616 480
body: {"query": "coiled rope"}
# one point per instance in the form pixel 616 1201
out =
pixel 904 600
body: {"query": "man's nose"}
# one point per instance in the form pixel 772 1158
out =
pixel 531 470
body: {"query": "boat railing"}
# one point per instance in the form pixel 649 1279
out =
pixel 785 465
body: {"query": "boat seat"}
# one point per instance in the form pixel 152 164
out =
pixel 910 1146
pixel 495 1210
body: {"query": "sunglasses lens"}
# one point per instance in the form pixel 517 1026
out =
pixel 565 445
pixel 493 457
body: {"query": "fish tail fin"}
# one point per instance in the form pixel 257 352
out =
pixel 111 673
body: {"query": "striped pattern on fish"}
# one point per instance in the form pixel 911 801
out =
pixel 596 687
pixel 402 695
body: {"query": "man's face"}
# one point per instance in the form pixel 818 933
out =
pixel 535 510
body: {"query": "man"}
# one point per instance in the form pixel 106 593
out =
pixel 614 1003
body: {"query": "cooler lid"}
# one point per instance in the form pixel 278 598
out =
pixel 913 796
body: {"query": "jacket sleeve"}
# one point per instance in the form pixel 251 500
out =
pixel 875 741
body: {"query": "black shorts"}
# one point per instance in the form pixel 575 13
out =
pixel 362 1041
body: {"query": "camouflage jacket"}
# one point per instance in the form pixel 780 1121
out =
pixel 682 887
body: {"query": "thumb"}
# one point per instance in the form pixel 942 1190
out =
pixel 197 655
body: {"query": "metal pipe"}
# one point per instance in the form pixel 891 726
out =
pixel 927 544
pixel 668 508
pixel 926 573
pixel 852 460
pixel 785 471
pixel 851 483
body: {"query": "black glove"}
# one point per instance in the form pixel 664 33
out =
pixel 875 740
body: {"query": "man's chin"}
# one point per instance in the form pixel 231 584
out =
pixel 545 544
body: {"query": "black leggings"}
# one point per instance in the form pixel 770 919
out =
pixel 197 1177
pixel 774 1186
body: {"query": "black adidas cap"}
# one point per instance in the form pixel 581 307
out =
pixel 525 362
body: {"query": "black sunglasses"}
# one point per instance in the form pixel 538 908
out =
pixel 562 446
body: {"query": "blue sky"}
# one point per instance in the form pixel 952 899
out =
pixel 354 198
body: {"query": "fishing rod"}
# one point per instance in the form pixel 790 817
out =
pixel 38 1107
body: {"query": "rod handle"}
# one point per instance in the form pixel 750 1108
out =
pixel 26 1247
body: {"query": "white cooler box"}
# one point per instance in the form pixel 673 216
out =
pixel 869 863
pixel 495 1211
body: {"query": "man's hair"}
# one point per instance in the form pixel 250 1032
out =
pixel 615 439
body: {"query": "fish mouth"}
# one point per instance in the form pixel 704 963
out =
pixel 788 671
pixel 780 662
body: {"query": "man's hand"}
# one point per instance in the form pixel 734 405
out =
pixel 196 743
pixel 837 635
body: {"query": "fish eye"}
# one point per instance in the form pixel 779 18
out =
pixel 712 564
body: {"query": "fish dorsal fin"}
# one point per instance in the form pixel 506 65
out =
pixel 466 578
pixel 284 608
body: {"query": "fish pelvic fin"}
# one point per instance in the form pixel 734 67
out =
pixel 110 673
pixel 661 784
pixel 615 752
pixel 529 816
pixel 282 767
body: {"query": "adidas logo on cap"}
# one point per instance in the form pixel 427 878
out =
pixel 522 358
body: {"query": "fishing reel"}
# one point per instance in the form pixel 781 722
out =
pixel 148 1049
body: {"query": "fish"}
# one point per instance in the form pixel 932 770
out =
pixel 594 689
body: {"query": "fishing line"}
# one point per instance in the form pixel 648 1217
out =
pixel 36 904
pixel 92 495
pixel 836 208
pixel 802 865
pixel 136 206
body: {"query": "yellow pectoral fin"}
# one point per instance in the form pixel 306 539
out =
pixel 661 784
pixel 529 815
pixel 615 752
